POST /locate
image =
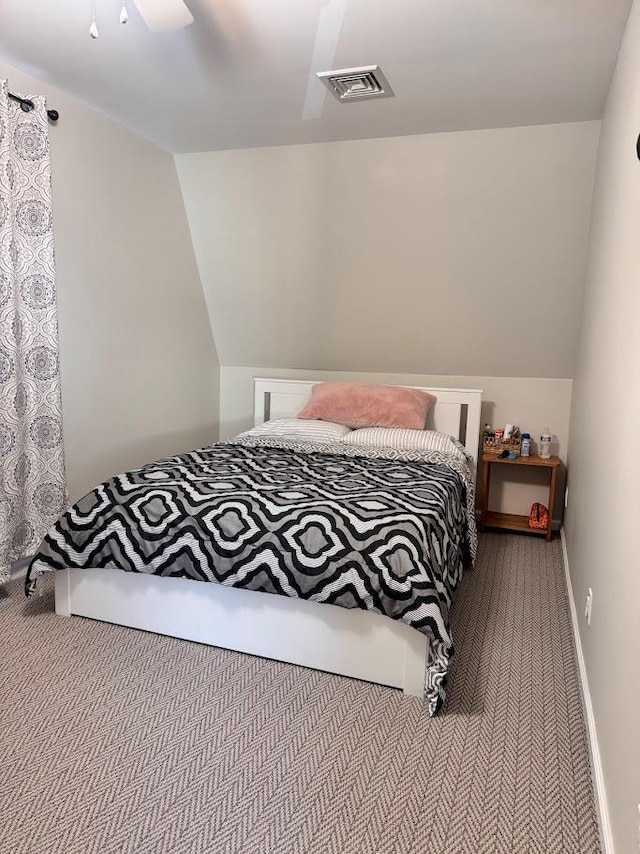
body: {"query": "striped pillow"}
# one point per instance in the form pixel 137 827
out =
pixel 403 439
pixel 325 432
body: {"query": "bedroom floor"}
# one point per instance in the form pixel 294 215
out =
pixel 114 740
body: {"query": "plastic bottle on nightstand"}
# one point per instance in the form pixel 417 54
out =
pixel 545 445
pixel 525 446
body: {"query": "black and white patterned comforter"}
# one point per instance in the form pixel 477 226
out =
pixel 384 530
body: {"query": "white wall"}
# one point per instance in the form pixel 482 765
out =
pixel 139 368
pixel 453 253
pixel 457 256
pixel 603 519
pixel 534 402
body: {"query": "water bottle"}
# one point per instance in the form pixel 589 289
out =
pixel 525 446
pixel 545 445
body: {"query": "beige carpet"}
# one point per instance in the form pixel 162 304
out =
pixel 113 740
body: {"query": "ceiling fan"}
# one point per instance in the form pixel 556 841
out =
pixel 158 15
pixel 162 15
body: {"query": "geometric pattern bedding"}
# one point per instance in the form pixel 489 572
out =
pixel 385 531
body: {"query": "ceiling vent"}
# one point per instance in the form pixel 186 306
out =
pixel 357 84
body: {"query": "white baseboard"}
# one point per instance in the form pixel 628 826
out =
pixel 594 751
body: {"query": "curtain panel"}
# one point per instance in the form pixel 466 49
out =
pixel 32 476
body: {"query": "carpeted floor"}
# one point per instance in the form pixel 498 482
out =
pixel 113 740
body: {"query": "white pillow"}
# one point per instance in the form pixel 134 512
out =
pixel 295 428
pixel 404 439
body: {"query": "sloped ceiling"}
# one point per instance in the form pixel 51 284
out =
pixel 238 77
pixel 459 253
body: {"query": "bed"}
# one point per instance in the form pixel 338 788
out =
pixel 355 640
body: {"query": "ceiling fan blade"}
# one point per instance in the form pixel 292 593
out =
pixel 324 51
pixel 162 15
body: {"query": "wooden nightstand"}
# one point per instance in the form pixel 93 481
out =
pixel 511 521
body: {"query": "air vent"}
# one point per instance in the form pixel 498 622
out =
pixel 357 84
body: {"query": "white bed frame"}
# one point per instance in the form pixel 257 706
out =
pixel 352 643
pixel 457 410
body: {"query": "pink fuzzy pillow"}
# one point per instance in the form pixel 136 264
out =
pixel 369 405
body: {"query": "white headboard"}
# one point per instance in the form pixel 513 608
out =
pixel 456 412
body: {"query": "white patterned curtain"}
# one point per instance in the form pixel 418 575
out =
pixel 32 480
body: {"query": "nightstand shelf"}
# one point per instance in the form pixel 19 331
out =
pixel 512 521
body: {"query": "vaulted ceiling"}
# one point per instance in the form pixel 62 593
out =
pixel 240 75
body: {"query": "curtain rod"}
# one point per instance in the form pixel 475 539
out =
pixel 28 105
